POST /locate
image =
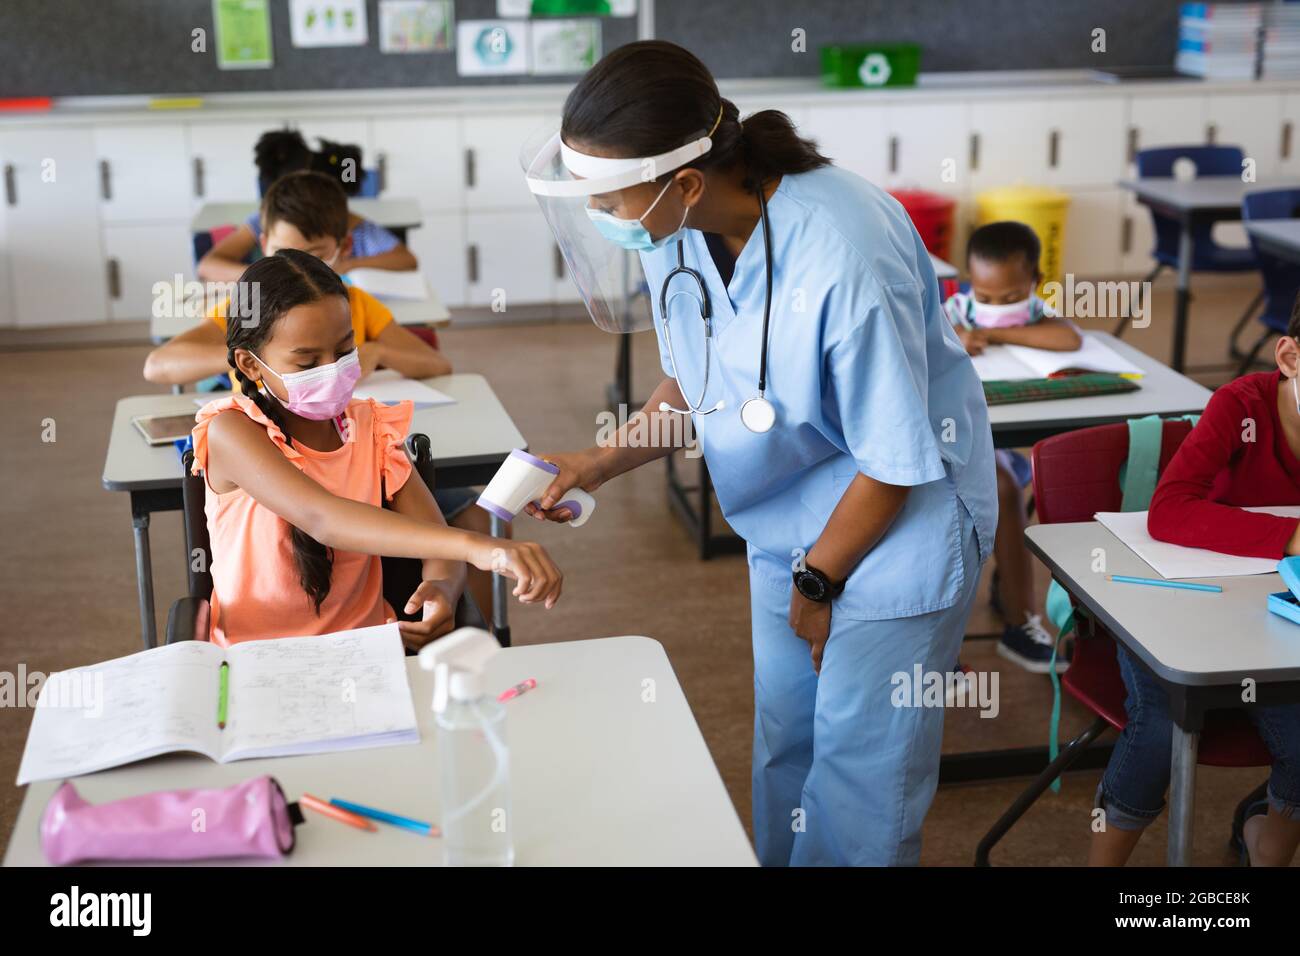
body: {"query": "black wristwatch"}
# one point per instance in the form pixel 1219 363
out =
pixel 816 586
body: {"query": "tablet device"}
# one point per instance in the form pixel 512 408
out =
pixel 164 429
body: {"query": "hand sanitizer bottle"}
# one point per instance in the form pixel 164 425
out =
pixel 474 762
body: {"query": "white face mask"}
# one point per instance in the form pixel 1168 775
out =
pixel 1295 390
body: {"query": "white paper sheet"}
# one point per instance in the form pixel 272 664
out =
pixel 1175 562
pixel 387 385
pixel 387 284
pixel 1018 362
pixel 297 695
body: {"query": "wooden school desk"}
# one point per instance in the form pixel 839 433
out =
pixel 599 775
pixel 1204 200
pixel 469 441
pixel 1199 645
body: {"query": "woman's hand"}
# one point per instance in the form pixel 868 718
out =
pixel 578 469
pixel 811 620
pixel 439 601
pixel 535 574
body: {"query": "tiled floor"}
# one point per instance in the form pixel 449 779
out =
pixel 67 574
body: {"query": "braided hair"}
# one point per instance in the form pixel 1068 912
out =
pixel 267 290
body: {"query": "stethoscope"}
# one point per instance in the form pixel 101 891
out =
pixel 757 414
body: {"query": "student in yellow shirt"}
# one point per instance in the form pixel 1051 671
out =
pixel 309 212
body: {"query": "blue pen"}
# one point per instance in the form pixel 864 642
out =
pixel 406 823
pixel 1159 583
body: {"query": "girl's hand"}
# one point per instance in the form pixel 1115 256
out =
pixel 439 616
pixel 368 355
pixel 535 574
pixel 811 620
pixel 975 340
pixel 578 469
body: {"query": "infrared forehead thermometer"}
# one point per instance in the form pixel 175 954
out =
pixel 521 479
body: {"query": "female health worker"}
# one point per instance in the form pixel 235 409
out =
pixel 842 422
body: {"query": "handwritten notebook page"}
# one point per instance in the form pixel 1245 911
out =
pixel 299 695
pixel 157 701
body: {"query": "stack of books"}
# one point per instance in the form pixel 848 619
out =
pixel 1280 49
pixel 1220 40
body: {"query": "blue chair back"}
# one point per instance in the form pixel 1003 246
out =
pixel 1207 255
pixel 369 183
pixel 1281 277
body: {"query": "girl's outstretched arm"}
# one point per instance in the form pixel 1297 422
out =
pixel 240 455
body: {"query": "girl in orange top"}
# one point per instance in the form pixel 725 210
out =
pixel 297 472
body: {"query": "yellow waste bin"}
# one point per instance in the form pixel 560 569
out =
pixel 1043 210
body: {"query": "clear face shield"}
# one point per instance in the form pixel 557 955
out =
pixel 563 182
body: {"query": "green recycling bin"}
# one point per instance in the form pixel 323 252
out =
pixel 870 66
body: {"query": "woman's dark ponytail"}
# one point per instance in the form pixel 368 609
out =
pixel 272 286
pixel 649 97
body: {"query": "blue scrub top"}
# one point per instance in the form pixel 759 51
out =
pixel 865 373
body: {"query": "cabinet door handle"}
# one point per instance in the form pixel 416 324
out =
pixel 469 169
pixel 382 165
pixel 893 154
pixel 1132 144
pixel 471 263
pixel 11 185
pixel 974 151
pixel 198 177
pixel 1126 235
pixel 1053 148
pixel 1287 129
pixel 1211 133
pixel 105 180
pixel 114 279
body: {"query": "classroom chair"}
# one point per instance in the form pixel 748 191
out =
pixel 1281 277
pixel 1076 474
pixel 1207 255
pixel 188 619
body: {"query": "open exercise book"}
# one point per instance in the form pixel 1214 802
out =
pixel 1175 562
pixel 294 695
pixel 1018 362
pixel 387 284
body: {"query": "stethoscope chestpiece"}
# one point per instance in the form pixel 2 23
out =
pixel 758 415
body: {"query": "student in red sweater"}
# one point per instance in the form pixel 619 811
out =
pixel 1244 451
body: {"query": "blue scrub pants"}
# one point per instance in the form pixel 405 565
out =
pixel 842 777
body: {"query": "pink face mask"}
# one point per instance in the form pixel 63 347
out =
pixel 987 316
pixel 323 392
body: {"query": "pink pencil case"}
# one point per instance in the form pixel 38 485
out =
pixel 250 819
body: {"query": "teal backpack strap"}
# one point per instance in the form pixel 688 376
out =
pixel 1137 478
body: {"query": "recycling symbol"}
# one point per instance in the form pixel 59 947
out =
pixel 874 70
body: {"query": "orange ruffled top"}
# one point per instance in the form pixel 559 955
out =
pixel 256 593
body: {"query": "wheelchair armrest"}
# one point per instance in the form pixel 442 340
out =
pixel 188 620
pixel 468 614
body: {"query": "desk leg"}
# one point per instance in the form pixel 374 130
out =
pixel 144 575
pixel 500 598
pixel 1182 795
pixel 1182 298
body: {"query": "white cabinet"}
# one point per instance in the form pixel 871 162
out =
pixel 1093 234
pixel 221 160
pixel 351 130
pixel 143 172
pixel 510 259
pixel 1086 141
pixel 1008 142
pixel 491 172
pixel 1252 121
pixel 928 147
pixel 1166 121
pixel 421 159
pixel 139 257
pixel 854 136
pixel 1137 237
pixel 56 264
pixel 439 245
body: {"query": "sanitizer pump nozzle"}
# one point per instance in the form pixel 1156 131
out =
pixel 473 759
